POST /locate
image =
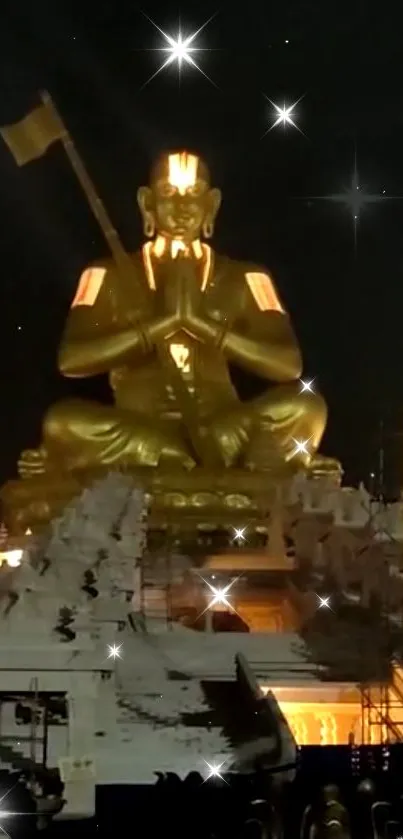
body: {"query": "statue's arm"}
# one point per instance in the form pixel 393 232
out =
pixel 82 356
pixel 260 337
pixel 93 342
pixel 265 345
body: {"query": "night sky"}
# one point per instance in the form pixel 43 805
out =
pixel 344 58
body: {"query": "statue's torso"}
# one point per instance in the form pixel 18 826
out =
pixel 144 386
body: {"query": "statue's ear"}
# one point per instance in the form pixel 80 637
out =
pixel 215 197
pixel 145 202
pixel 213 206
pixel 145 199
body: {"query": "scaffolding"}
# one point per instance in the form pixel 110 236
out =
pixel 382 711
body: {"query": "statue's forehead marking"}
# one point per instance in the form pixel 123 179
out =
pixel 182 170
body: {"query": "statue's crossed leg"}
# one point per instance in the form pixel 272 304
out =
pixel 80 435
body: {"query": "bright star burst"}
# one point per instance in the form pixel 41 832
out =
pixel 239 534
pixel 214 770
pixel 355 198
pixel 114 651
pixel 219 596
pixel 300 447
pixel 180 49
pixel 283 115
pixel 306 386
pixel 324 602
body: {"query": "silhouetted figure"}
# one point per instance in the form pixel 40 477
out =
pixel 46 562
pixel 12 598
pixel 66 617
pixel 332 819
pixel 88 587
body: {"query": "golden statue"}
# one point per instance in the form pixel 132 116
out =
pixel 166 333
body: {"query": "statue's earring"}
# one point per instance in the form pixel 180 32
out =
pixel 149 226
pixel 208 229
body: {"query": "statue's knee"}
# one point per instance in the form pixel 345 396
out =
pixel 315 405
pixel 60 419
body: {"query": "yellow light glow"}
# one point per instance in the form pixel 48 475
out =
pixel 299 729
pixel 177 246
pixel 182 169
pixel 328 729
pixel 159 246
pixel 148 267
pixel 180 355
pixel 263 292
pixel 11 558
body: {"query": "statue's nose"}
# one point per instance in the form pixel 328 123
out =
pixel 184 207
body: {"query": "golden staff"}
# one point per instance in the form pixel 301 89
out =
pixel 125 267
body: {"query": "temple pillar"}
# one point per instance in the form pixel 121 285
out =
pixel 78 767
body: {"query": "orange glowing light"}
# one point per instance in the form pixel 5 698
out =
pixel 299 729
pixel 263 292
pixel 182 170
pixel 89 286
pixel 328 729
pixel 180 355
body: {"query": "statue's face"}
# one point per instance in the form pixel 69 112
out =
pixel 179 201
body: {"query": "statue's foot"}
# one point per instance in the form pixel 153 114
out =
pixel 34 463
pixel 325 467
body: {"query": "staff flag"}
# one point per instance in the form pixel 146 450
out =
pixel 31 137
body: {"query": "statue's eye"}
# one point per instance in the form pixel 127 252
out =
pixel 195 190
pixel 166 190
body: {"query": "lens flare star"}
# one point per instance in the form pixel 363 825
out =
pixel 284 115
pixel 219 596
pixel 114 651
pixel 300 447
pixel 324 602
pixel 356 199
pixel 180 49
pixel 215 771
pixel 306 387
pixel 239 534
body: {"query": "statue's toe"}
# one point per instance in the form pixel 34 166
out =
pixel 32 462
pixel 322 466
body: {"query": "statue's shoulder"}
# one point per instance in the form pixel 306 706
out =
pixel 239 268
pixel 251 280
pixel 101 278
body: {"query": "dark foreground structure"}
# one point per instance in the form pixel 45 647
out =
pixel 337 793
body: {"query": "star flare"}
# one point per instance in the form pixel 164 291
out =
pixel 284 115
pixel 324 602
pixel 239 534
pixel 355 198
pixel 300 447
pixel 214 770
pixel 306 387
pixel 114 651
pixel 219 596
pixel 180 49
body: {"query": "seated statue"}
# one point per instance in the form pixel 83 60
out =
pixel 166 332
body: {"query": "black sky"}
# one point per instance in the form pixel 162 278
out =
pixel 346 59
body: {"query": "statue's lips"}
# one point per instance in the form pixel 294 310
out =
pixel 181 223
